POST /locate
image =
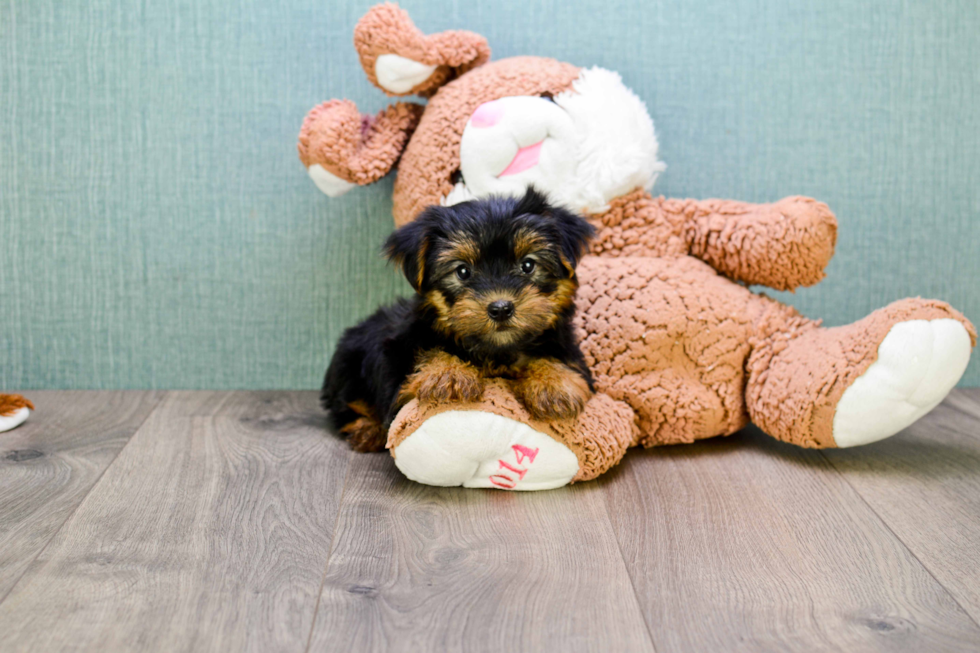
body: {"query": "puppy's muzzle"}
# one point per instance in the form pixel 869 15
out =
pixel 500 310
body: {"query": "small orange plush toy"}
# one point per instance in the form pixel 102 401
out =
pixel 679 347
pixel 14 411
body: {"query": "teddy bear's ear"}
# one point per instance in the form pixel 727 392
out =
pixel 342 148
pixel 401 60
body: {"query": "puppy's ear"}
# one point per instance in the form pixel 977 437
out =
pixel 573 232
pixel 408 246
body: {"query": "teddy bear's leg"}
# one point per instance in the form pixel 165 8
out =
pixel 14 411
pixel 495 443
pixel 859 383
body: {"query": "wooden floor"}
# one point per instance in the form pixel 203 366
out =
pixel 196 521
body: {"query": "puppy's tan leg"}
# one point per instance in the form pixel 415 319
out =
pixel 440 377
pixel 552 390
pixel 365 434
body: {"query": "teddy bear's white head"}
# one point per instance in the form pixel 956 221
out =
pixel 584 147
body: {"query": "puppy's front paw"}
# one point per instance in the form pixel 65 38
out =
pixel 554 402
pixel 443 378
pixel 450 385
pixel 550 390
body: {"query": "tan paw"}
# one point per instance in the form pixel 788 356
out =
pixel 443 378
pixel 450 385
pixel 550 390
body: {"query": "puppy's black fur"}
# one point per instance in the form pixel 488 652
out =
pixel 495 283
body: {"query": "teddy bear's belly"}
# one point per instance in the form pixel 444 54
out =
pixel 670 338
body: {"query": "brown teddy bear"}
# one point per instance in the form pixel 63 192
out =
pixel 14 411
pixel 679 347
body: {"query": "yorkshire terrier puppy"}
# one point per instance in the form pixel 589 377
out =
pixel 495 283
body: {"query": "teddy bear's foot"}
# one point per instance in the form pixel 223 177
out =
pixel 14 411
pixel 859 383
pixel 919 362
pixel 478 449
pixel 495 443
pixel 14 420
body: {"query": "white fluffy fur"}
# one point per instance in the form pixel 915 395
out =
pixel 617 146
pixel 612 144
pixel 459 193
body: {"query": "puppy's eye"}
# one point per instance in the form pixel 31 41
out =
pixel 463 273
pixel 527 266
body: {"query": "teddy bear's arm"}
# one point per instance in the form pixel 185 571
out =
pixel 357 149
pixel 783 245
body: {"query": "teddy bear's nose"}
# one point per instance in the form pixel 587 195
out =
pixel 487 114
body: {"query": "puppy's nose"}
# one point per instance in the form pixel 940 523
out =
pixel 500 310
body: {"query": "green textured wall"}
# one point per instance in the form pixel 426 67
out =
pixel 157 229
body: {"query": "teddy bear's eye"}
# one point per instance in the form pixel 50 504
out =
pixel 527 266
pixel 463 272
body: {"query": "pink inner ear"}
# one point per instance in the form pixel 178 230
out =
pixel 526 157
pixel 366 123
pixel 487 114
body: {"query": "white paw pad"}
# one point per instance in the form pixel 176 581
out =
pixel 919 362
pixel 400 75
pixel 483 450
pixel 18 417
pixel 329 184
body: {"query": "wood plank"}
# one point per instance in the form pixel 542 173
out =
pixel 749 544
pixel 50 463
pixel 210 531
pixel 418 568
pixel 925 485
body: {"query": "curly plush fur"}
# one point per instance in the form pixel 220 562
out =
pixel 679 347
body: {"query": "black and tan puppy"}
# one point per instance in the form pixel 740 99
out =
pixel 495 283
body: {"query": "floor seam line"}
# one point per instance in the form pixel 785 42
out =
pixel 900 540
pixel 622 560
pixel 333 541
pixel 87 493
